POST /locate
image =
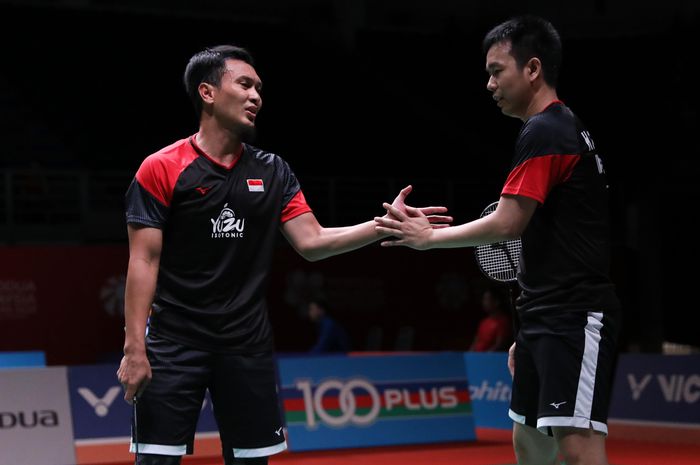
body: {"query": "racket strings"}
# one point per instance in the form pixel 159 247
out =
pixel 499 261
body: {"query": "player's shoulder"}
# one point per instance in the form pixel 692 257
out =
pixel 548 131
pixel 553 118
pixel 179 151
pixel 175 155
pixel 261 155
pixel 264 157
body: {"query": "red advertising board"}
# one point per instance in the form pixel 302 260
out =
pixel 68 300
pixel 64 300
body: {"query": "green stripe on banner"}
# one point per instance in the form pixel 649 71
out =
pixel 403 411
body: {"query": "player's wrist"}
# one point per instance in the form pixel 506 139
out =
pixel 430 238
pixel 134 348
pixel 379 234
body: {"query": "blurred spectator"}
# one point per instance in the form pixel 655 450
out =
pixel 495 332
pixel 332 337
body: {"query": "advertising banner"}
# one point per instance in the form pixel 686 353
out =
pixel 102 419
pixel 359 401
pixel 662 389
pixel 35 417
pixel 72 298
pixel 22 359
pixel 490 387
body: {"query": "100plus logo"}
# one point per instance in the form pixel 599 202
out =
pixel 359 402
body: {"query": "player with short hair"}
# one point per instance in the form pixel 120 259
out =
pixel 556 198
pixel 203 215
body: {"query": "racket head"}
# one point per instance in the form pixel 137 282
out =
pixel 499 261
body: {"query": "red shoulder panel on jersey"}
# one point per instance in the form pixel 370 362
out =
pixel 536 176
pixel 159 172
pixel 296 206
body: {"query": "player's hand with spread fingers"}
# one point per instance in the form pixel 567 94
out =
pixel 432 213
pixel 412 229
pixel 134 374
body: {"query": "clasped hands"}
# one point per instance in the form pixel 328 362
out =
pixel 410 226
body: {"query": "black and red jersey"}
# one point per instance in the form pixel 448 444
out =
pixel 219 227
pixel 565 260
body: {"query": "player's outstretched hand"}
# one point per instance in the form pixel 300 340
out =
pixel 434 214
pixel 412 229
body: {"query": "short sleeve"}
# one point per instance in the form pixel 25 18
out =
pixel 148 196
pixel 143 208
pixel 293 200
pixel 536 169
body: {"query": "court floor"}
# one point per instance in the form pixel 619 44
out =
pixel 492 448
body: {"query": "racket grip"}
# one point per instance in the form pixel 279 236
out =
pixel 135 431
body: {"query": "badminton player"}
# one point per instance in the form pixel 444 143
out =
pixel 203 215
pixel 556 198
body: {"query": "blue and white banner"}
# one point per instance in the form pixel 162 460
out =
pixel 661 389
pixel 358 401
pixel 490 388
pixel 99 409
pixel 96 399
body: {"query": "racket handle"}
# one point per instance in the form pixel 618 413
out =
pixel 136 431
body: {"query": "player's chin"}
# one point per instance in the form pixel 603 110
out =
pixel 508 112
pixel 247 132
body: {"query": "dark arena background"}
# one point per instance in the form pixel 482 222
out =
pixel 361 98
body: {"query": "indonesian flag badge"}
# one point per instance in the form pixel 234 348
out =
pixel 255 185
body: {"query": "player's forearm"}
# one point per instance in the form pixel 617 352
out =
pixel 140 289
pixel 335 241
pixel 482 231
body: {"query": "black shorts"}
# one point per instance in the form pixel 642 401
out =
pixel 243 390
pixel 563 371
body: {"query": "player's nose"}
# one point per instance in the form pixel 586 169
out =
pixel 254 97
pixel 491 84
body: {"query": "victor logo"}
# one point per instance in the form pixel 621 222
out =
pixel 227 225
pixel 674 387
pixel 100 404
pixel 33 419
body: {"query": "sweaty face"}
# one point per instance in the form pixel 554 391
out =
pixel 237 100
pixel 508 83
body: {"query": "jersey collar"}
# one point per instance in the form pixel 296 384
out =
pixel 198 149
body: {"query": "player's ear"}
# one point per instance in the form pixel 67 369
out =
pixel 206 92
pixel 533 68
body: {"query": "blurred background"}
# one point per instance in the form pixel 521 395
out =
pixel 361 98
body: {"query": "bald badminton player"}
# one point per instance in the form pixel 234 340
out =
pixel 556 198
pixel 202 217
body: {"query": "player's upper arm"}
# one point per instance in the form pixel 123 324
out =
pixel 145 242
pixel 301 232
pixel 515 212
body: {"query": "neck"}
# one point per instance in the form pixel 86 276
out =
pixel 541 100
pixel 219 143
